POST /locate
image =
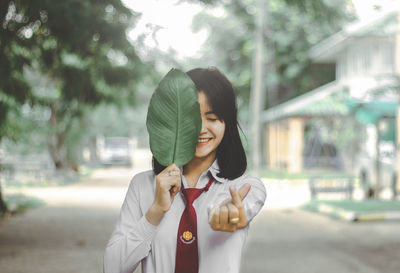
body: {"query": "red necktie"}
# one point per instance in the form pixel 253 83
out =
pixel 187 257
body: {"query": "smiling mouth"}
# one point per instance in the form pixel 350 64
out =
pixel 203 140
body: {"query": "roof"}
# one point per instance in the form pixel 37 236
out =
pixel 327 100
pixel 382 24
pixel 371 112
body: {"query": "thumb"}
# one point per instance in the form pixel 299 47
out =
pixel 243 191
pixel 238 196
pixel 235 196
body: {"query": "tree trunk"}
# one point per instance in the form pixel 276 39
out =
pixel 256 102
pixel 56 139
pixel 55 148
pixel 376 187
pixel 3 205
pixel 397 65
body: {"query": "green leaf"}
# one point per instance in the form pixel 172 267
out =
pixel 174 119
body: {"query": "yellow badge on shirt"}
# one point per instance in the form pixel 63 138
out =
pixel 187 237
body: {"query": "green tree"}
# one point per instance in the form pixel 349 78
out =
pixel 79 48
pixel 270 55
pixel 292 28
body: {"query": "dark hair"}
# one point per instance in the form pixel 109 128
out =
pixel 219 91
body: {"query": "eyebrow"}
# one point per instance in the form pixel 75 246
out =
pixel 210 112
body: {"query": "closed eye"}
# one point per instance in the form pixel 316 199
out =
pixel 211 116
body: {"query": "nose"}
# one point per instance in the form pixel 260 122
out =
pixel 203 126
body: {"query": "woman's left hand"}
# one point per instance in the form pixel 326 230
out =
pixel 230 215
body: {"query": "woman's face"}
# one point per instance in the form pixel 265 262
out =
pixel 212 130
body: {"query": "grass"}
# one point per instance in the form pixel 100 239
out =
pixel 365 210
pixel 357 206
pixel 18 203
pixel 276 174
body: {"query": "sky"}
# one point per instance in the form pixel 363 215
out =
pixel 367 8
pixel 175 22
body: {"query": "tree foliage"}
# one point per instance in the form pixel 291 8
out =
pixel 78 54
pixel 292 28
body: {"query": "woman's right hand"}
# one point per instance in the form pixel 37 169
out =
pixel 168 184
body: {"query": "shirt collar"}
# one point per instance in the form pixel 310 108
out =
pixel 214 170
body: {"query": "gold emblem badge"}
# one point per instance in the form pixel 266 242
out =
pixel 187 237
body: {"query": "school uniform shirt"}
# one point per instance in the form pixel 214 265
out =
pixel 135 240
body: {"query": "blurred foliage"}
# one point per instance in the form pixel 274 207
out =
pixel 59 60
pixel 355 206
pixel 345 134
pixel 303 175
pixel 292 27
pixel 206 2
pixel 18 203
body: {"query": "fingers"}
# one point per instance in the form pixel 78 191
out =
pixel 233 214
pixel 171 176
pixel 214 218
pixel 243 191
pixel 230 214
pixel 168 184
pixel 237 198
pixel 221 218
pixel 171 170
pixel 175 189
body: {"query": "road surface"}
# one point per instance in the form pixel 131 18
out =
pixel 69 233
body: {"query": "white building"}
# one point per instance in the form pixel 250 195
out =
pixel 367 58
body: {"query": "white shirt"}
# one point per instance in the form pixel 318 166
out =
pixel 135 240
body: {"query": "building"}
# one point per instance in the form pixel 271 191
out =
pixel 367 60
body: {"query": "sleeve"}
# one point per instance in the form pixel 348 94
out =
pixel 255 198
pixel 131 239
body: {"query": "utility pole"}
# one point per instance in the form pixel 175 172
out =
pixel 257 87
pixel 397 67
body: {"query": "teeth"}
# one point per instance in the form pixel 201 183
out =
pixel 203 140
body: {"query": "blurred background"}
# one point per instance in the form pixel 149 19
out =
pixel 318 89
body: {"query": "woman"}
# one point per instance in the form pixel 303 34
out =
pixel 161 228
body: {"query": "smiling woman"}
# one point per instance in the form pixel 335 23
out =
pixel 212 130
pixel 194 217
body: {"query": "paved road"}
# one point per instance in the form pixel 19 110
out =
pixel 291 240
pixel 68 235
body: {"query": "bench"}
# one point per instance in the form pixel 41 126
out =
pixel 18 171
pixel 331 185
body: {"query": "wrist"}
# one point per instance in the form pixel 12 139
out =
pixel 159 207
pixel 155 214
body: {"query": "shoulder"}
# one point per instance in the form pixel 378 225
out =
pixel 253 181
pixel 141 176
pixel 142 180
pixel 248 179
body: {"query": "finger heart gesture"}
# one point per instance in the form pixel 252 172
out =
pixel 230 215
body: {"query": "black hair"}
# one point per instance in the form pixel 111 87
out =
pixel 230 153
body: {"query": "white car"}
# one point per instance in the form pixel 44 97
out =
pixel 114 151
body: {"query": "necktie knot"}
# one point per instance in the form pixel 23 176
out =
pixel 191 194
